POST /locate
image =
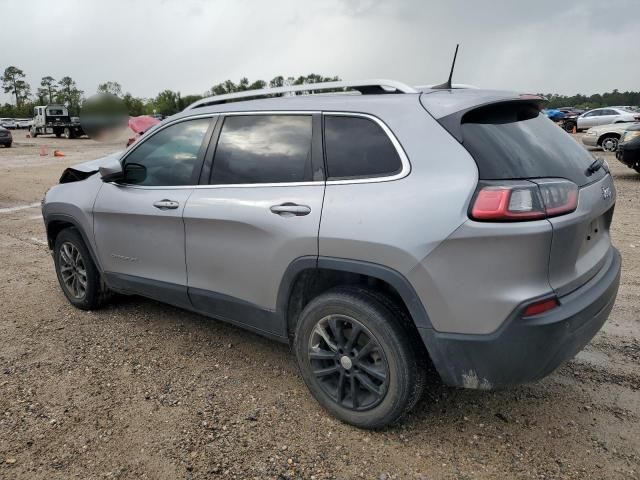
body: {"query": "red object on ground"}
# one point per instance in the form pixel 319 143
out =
pixel 43 152
pixel 58 153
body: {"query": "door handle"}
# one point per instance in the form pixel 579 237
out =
pixel 166 204
pixel 290 209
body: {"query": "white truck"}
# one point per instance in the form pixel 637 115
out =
pixel 55 119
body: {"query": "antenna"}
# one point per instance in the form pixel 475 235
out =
pixel 447 84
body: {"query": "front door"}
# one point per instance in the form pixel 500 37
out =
pixel 590 119
pixel 260 212
pixel 138 226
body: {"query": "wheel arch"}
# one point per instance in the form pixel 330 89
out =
pixel 310 276
pixel 608 135
pixel 55 223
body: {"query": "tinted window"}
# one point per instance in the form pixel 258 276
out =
pixel 263 149
pixel 517 141
pixel 168 157
pixel 594 113
pixel 609 112
pixel 357 147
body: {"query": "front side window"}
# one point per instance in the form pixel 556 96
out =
pixel 263 149
pixel 169 157
pixel 357 147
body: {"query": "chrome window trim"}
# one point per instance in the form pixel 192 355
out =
pixel 406 166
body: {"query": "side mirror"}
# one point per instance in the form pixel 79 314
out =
pixel 111 171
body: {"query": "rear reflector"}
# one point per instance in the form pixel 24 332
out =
pixel 524 200
pixel 540 307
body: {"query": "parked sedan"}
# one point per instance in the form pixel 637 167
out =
pixel 24 122
pixel 606 136
pixel 5 137
pixel 7 122
pixel 605 116
pixel 629 147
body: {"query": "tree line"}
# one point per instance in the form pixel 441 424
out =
pixel 66 92
pixel 608 99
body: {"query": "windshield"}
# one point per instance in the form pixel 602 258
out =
pixel 516 141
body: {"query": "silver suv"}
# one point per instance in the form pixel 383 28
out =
pixel 381 230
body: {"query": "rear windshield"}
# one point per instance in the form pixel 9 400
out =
pixel 513 141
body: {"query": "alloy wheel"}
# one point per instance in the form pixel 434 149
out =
pixel 348 362
pixel 73 270
pixel 610 144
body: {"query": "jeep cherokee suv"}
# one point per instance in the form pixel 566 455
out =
pixel 380 231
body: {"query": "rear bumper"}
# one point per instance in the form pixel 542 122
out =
pixel 524 350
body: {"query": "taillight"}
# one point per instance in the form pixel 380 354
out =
pixel 540 307
pixel 524 200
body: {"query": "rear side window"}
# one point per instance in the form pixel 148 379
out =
pixel 263 149
pixel 516 141
pixel 357 147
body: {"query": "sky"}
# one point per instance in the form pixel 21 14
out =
pixel 542 46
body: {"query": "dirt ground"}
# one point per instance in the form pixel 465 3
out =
pixel 143 390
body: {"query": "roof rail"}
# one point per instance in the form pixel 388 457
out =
pixel 364 87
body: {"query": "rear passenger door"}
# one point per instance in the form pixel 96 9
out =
pixel 257 211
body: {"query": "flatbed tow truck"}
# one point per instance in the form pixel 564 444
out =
pixel 55 120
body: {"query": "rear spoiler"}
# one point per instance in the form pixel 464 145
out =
pixel 451 121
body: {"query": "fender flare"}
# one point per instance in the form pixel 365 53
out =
pixel 392 277
pixel 61 217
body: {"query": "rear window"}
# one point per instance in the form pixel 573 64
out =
pixel 516 141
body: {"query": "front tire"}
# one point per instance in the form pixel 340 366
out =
pixel 67 133
pixel 77 274
pixel 569 126
pixel 357 358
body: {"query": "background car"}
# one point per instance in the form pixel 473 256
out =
pixel 629 147
pixel 5 137
pixel 553 114
pixel 606 136
pixel 605 116
pixel 7 122
pixel 24 122
pixel 571 111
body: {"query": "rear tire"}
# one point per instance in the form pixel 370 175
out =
pixel 77 274
pixel 609 144
pixel 369 381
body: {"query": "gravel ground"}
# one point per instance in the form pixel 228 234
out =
pixel 143 390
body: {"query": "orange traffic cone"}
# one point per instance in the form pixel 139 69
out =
pixel 58 153
pixel 43 152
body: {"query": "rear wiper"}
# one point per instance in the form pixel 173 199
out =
pixel 595 166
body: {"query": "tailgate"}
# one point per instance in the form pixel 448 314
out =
pixel 580 242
